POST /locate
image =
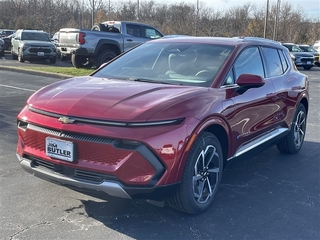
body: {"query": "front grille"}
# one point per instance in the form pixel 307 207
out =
pixel 39 49
pixel 70 172
pixel 90 149
pixel 95 177
pixel 307 59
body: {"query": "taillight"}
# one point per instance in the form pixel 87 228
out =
pixel 81 38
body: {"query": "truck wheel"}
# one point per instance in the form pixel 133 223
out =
pixel 104 56
pixel 81 61
pixel 99 27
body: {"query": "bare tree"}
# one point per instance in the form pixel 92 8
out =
pixel 182 18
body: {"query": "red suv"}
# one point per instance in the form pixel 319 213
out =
pixel 161 121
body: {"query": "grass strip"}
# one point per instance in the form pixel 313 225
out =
pixel 71 71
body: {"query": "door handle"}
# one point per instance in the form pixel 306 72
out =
pixel 129 40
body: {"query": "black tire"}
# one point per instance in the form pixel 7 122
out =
pixel 81 61
pixel 99 27
pixel 307 68
pixel 63 58
pixel 14 57
pixel 104 56
pixel 292 143
pixel 200 179
pixel 53 60
pixel 20 58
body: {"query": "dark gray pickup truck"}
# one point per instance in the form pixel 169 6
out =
pixel 103 42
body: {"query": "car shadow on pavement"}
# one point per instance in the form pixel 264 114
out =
pixel 264 185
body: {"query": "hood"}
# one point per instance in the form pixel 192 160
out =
pixel 316 54
pixel 34 43
pixel 115 100
pixel 302 54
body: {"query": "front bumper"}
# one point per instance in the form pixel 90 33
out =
pixel 39 53
pixel 68 51
pixel 81 183
pixel 111 188
pixel 304 62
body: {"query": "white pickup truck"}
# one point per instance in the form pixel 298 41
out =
pixel 103 42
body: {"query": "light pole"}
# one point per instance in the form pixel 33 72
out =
pixel 92 20
pixel 138 10
pixel 197 17
pixel 266 20
pixel 275 29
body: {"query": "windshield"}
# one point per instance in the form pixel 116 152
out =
pixel 191 64
pixel 38 36
pixel 308 49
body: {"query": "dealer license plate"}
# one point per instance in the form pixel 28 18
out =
pixel 60 149
pixel 40 53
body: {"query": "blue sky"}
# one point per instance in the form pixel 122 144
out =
pixel 311 8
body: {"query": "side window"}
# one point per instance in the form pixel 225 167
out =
pixel 229 79
pixel 133 30
pixel 150 33
pixel 283 61
pixel 273 62
pixel 249 62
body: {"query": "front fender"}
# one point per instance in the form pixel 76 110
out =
pixel 216 125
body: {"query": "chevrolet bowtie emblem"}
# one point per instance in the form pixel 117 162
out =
pixel 66 120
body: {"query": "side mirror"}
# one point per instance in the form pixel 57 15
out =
pixel 247 81
pixel 250 79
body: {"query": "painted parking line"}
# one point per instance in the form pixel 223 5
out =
pixel 13 87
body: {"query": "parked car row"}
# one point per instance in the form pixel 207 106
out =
pixel 28 45
pixel 303 55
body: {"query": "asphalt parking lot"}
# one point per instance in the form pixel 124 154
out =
pixel 268 196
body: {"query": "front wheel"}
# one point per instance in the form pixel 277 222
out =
pixel 79 61
pixel 201 177
pixel 53 60
pixel 292 143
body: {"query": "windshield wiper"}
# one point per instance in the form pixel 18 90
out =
pixel 146 80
